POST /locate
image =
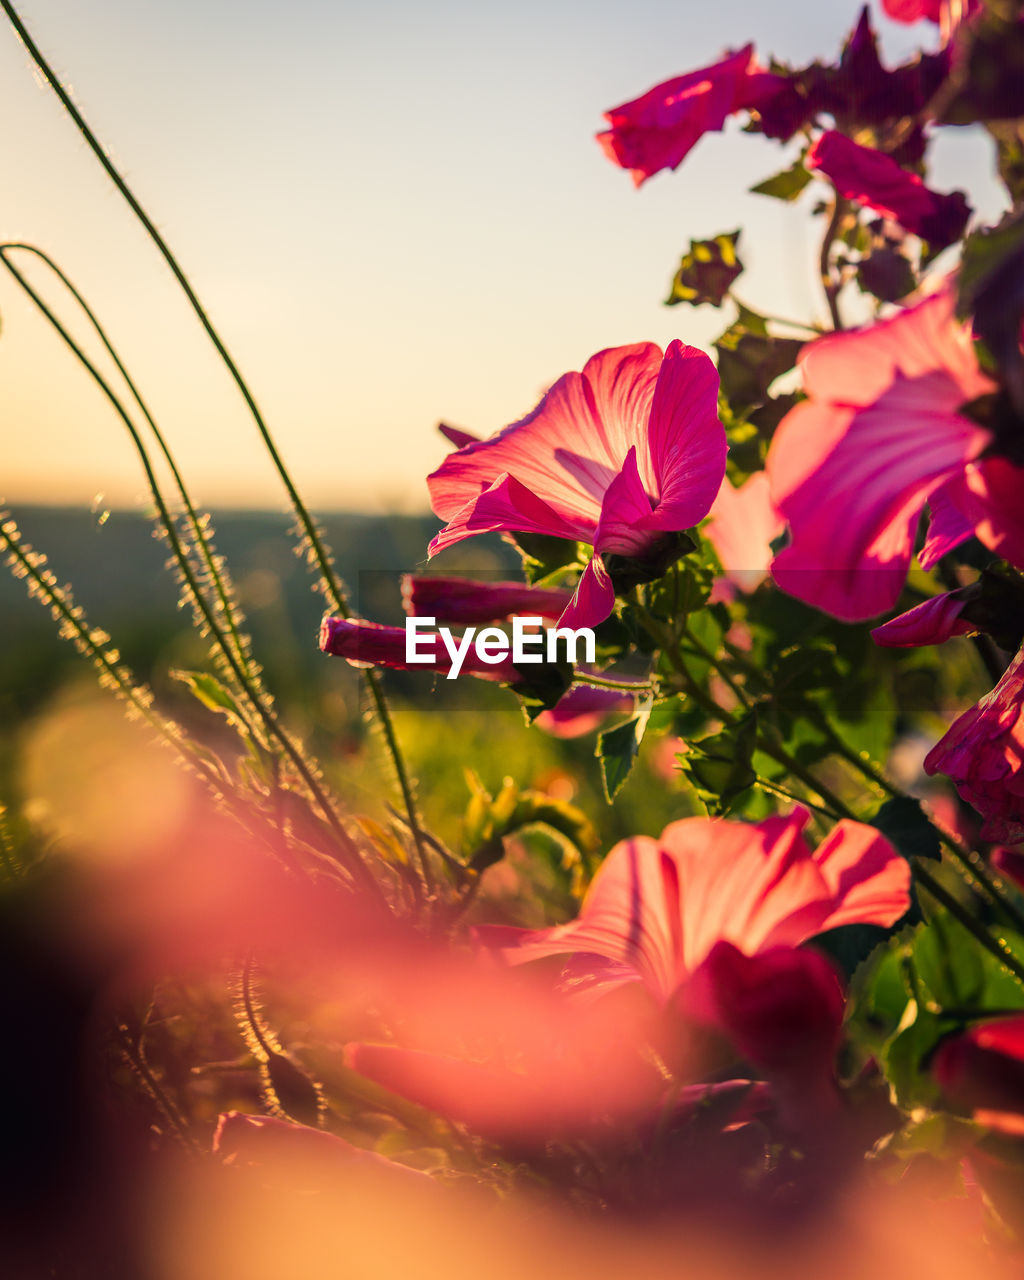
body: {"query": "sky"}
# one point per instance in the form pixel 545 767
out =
pixel 394 212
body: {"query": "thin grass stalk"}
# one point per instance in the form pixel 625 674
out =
pixel 351 857
pixel 330 582
pixel 213 568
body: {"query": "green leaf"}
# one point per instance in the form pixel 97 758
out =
pixel 948 961
pixel 886 274
pixel 903 822
pixel 749 362
pixel 213 694
pixel 618 748
pixel 786 185
pixel 707 272
pixel 987 255
pixel 720 766
pixel 904 1057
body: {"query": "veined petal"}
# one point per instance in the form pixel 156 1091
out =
pixel 868 878
pixel 594 598
pixel 624 918
pixel 685 440
pixel 852 493
pixel 507 505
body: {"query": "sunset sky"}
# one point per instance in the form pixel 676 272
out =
pixel 395 212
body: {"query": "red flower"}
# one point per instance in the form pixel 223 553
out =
pixel 982 1071
pixel 983 754
pixel 657 130
pixel 876 181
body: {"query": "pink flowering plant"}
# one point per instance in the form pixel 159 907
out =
pixel 729 920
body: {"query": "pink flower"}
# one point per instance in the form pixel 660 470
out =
pixel 932 622
pixel 744 522
pixel 983 754
pixel 619 456
pixel 880 435
pixel 876 181
pixel 368 644
pixel 657 130
pixel 657 908
pixel 470 602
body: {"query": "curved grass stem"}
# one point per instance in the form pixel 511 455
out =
pixel 333 589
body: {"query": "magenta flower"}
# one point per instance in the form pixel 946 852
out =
pixel 876 181
pixel 618 456
pixel 657 908
pixel 657 130
pixel 983 754
pixel 880 435
pixel 368 644
pixel 470 602
pixel 933 621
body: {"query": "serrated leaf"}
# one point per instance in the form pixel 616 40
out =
pixel 618 748
pixel 707 272
pixel 785 185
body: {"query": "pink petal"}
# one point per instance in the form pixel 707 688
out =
pixel 744 522
pixel 932 622
pixel 594 599
pixel 507 505
pixel 948 526
pixel 868 878
pixel 582 710
pixel 626 512
pixel 853 489
pixel 624 918
pixel 685 440
pixel 471 601
pixel 994 487
pixel 457 435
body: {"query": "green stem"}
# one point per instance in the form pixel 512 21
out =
pixel 996 946
pixel 828 281
pixel 601 682
pixel 333 589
